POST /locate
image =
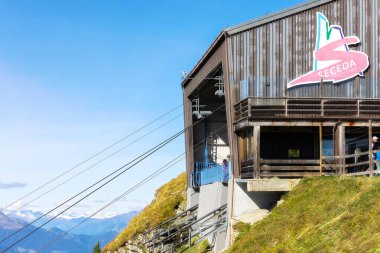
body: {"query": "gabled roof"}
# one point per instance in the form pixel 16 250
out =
pixel 274 16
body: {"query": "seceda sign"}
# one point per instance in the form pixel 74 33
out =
pixel 333 60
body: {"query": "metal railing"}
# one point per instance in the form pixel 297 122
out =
pixel 208 173
pixel 218 173
pixel 183 233
pixel 189 215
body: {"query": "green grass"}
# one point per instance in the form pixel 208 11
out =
pixel 201 247
pixel 168 199
pixel 325 214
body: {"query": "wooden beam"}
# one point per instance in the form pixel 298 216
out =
pixel 188 138
pixel 296 168
pixel 342 147
pixel 288 161
pixel 291 123
pixel 339 146
pixel 241 152
pixel 289 174
pixel 362 173
pixel 370 148
pixel 320 145
pixel 347 156
pixel 256 151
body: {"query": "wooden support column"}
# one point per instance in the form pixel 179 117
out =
pixel 321 95
pixel 256 151
pixel 340 144
pixel 320 150
pixel 241 152
pixel 187 107
pixel 342 148
pixel 370 149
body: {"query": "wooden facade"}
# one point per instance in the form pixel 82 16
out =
pixel 258 59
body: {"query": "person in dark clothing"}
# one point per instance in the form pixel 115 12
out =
pixel 376 153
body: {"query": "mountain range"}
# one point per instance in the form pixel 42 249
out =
pixel 81 239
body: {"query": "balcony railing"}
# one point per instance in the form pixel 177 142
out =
pixel 282 168
pixel 208 173
pixel 342 108
pixel 357 164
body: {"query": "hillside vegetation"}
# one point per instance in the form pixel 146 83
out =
pixel 323 214
pixel 168 199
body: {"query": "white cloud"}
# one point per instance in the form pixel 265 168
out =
pixel 11 185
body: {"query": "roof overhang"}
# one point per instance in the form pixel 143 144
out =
pixel 217 42
pixel 274 16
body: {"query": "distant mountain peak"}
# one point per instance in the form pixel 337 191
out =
pixel 10 223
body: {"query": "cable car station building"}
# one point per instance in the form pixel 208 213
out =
pixel 289 95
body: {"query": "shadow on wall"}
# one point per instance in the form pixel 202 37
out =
pixel 245 201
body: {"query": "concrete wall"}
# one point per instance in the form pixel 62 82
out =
pixel 220 239
pixel 192 198
pixel 211 196
pixel 245 202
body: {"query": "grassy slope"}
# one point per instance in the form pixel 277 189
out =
pixel 168 199
pixel 321 215
pixel 199 248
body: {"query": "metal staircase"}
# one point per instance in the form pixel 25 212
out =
pixel 185 230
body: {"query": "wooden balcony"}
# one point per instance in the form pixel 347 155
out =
pixel 346 165
pixel 282 168
pixel 307 108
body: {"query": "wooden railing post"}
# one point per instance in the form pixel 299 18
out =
pixel 322 108
pixel 370 148
pixel 357 108
pixel 340 146
pixel 344 164
pixel 249 102
pixel 320 149
pixel 286 107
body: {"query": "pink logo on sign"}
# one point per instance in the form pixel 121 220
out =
pixel 333 60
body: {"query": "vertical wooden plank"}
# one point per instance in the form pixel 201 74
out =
pixel 320 149
pixel 340 144
pixel 342 148
pixel 370 148
pixel 256 151
pixel 187 107
pixel 241 152
pixel 336 140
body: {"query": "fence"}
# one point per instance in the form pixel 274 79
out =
pixel 288 107
pixel 358 164
pixel 347 165
pixel 208 173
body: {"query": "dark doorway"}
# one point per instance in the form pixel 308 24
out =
pixel 289 143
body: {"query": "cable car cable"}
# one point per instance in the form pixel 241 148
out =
pixel 93 165
pixel 133 188
pixel 133 162
pixel 88 159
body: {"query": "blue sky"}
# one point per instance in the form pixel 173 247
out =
pixel 76 76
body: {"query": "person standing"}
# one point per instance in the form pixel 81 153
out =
pixel 376 154
pixel 225 170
